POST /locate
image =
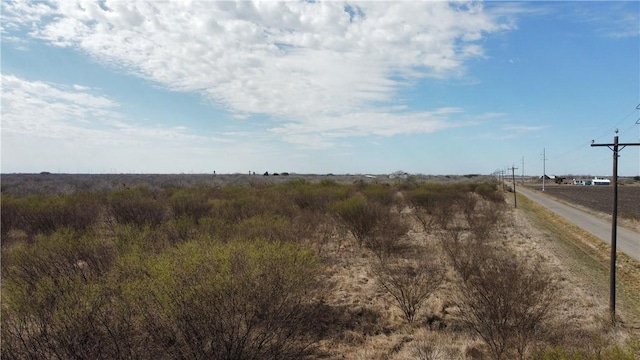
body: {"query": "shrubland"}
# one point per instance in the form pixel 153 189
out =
pixel 290 270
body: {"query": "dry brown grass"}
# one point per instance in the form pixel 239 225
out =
pixel 580 320
pixel 360 320
pixel 582 263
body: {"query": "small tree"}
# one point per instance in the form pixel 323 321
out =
pixel 387 235
pixel 423 205
pixel 484 218
pixel 505 300
pixel 410 282
pixel 360 216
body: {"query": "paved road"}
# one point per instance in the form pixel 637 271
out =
pixel 627 241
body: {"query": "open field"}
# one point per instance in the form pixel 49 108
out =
pixel 600 198
pixel 334 267
pixel 30 184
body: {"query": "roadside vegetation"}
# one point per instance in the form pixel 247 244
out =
pixel 288 270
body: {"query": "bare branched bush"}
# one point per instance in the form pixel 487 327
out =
pixel 424 205
pixel 410 281
pixel 386 238
pixel 465 255
pixel 506 301
pixel 446 208
pixel 484 218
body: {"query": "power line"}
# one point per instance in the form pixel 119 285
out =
pixel 605 133
pixel 616 147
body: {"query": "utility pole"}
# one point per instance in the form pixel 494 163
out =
pixel 544 164
pixel 513 179
pixel 616 147
pixel 522 176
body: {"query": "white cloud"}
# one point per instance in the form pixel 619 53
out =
pixel 37 109
pixel 318 67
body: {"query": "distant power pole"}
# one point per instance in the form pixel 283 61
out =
pixel 544 164
pixel 522 176
pixel 616 147
pixel 513 179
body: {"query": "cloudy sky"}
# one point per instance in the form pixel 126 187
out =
pixel 428 87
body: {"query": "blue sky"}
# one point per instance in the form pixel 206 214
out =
pixel 427 87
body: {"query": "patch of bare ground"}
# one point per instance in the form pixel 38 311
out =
pixel 368 325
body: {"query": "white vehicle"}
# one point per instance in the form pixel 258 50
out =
pixel 597 181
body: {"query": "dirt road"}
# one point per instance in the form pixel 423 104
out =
pixel 627 241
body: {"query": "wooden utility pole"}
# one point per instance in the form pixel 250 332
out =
pixel 544 165
pixel 513 179
pixel 616 147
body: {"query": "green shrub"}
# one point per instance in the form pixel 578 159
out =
pixel 53 305
pixel 63 253
pixel 381 193
pixel 242 300
pixel 151 239
pixel 360 216
pixel 629 352
pixel 139 206
pixel 266 226
pixel 180 229
pixel 312 197
pixel 9 215
pixel 46 214
pixel 39 214
pixel 434 205
pixel 489 191
pixel 193 203
pixel 235 210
